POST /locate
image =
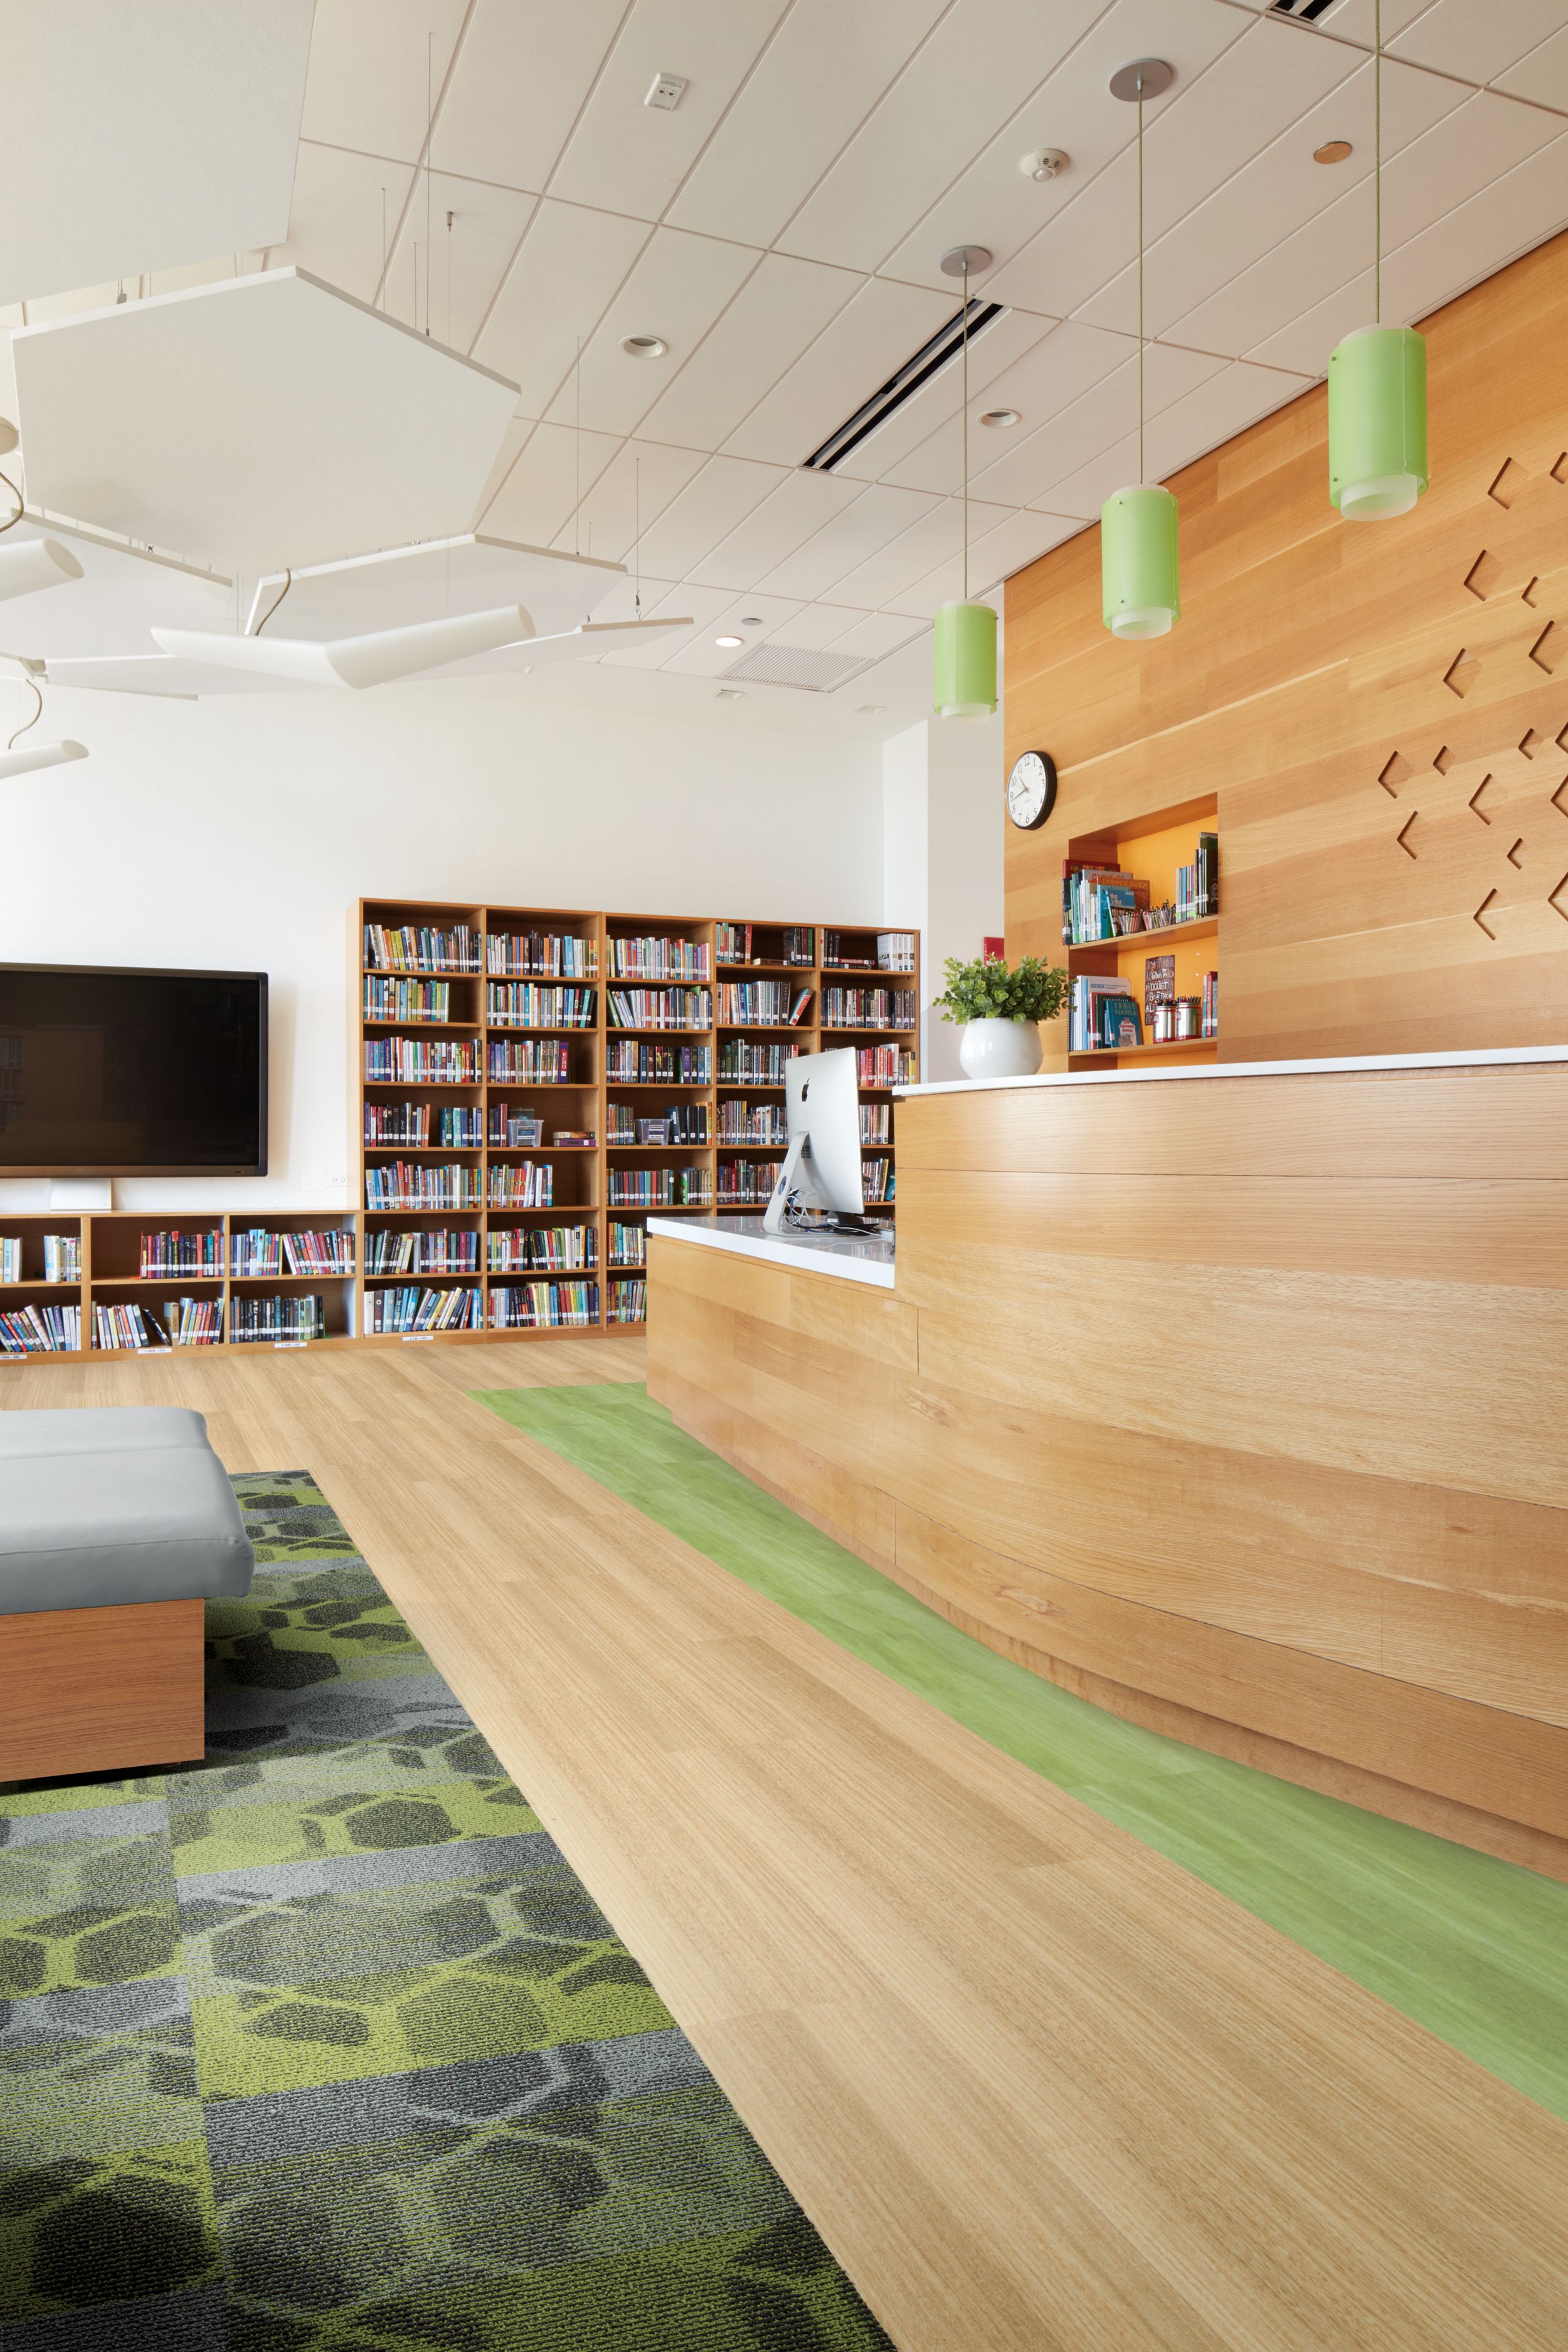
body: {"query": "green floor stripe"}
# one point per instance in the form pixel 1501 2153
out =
pixel 1468 1946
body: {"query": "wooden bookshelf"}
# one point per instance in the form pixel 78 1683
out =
pixel 1152 848
pixel 599 1069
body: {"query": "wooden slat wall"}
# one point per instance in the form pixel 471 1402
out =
pixel 1235 1404
pixel 1381 708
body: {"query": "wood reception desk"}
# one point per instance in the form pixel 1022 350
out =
pixel 1234 1398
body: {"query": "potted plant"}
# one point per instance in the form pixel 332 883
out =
pixel 999 1008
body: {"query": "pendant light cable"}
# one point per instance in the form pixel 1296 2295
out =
pixel 1139 276
pixel 1377 160
pixel 966 429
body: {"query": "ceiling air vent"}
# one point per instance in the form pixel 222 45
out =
pixel 1304 12
pixel 914 376
pixel 798 666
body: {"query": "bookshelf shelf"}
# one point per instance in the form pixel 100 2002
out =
pixel 1166 858
pixel 1190 1046
pixel 1160 942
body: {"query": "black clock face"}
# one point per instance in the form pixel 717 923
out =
pixel 1032 790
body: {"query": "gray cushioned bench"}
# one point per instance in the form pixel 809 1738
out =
pixel 116 1525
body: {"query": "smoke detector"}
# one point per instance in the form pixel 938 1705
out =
pixel 666 92
pixel 1044 162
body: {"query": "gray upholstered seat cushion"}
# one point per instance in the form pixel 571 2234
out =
pixel 129 1505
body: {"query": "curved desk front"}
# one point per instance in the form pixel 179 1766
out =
pixel 1234 1398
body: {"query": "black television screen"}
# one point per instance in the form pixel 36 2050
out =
pixel 117 1073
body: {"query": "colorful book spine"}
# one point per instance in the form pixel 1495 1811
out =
pixel 320 1252
pixel 397 1123
pixel 558 1248
pixel 522 1004
pixel 870 1008
pixel 547 955
pixel 540 1305
pixel 442 1251
pixel 660 1188
pixel 748 1180
pixel 422 1061
pixel 527 1185
pixel 407 948
pixel 407 999
pixel 632 1063
pixel 282 1320
pixel 62 1257
pixel 41 1330
pixel 661 1008
pixel 660 959
pixel 627 1244
pixel 256 1253
pixel 530 1062
pixel 745 1122
pixel 193 1322
pixel 416 1310
pixel 874 1180
pixel 896 951
pixel 10 1257
pixel 762 1004
pixel 885 1066
pixel 402 1184
pixel 628 1302
pixel 178 1253
pixel 743 1063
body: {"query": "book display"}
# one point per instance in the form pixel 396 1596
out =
pixel 578 1072
pixel 1141 920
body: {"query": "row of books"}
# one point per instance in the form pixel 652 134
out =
pixel 537 1305
pixel 530 1062
pixel 181 1253
pixel 895 951
pixel 660 959
pixel 410 1126
pixel 1102 901
pixel 407 999
pixel 409 1309
pixel 192 1322
pixel 1208 1005
pixel 523 1184
pixel 735 943
pixel 521 1004
pixel 870 1008
pixel 628 1302
pixel 743 1122
pixel 681 1123
pixel 424 1061
pixel 445 1250
pixel 260 1252
pixel 627 1244
pixel 661 1008
pixel 660 1188
pixel 635 1064
pixel 403 1185
pixel 420 948
pixel 743 1063
pixel 1197 884
pixel 62 1257
pixel 885 1066
pixel 762 1004
pixel 876 1123
pixel 285 1318
pixel 1102 1012
pixel 10 1257
pixel 877 1179
pixel 40 1330
pixel 558 1248
pixel 747 1180
pixel 553 955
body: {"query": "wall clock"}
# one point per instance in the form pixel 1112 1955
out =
pixel 1032 790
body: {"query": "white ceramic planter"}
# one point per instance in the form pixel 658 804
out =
pixel 1000 1049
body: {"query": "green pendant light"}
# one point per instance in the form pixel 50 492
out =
pixel 1377 382
pixel 1140 570
pixel 965 684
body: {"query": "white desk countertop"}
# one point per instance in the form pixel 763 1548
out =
pixel 1480 1058
pixel 853 1258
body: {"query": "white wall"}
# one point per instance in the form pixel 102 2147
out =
pixel 237 832
pixel 942 831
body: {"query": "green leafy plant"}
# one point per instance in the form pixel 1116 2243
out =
pixel 987 990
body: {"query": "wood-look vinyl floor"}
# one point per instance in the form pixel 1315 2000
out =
pixel 1040 2090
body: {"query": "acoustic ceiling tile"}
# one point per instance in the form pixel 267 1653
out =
pixel 1057 367
pixel 965 81
pixel 567 269
pixel 993 555
pixel 1093 423
pixel 706 510
pixel 873 636
pixel 1200 420
pixel 522 76
pixel 821 74
pixel 700 657
pixel 992 203
pixel 345 206
pixel 774 316
pixel 993 355
pixel 677 286
pixel 789 516
pixel 457 242
pixel 255 423
pixel 141 138
pixel 870 338
pixel 896 567
pixel 629 496
pixel 814 627
pixel 633 157
pixel 703 605
pixel 556 469
pixel 1478 44
pixel 1543 75
pixel 112 609
pixel 513 442
pixel 841 546
pixel 374 67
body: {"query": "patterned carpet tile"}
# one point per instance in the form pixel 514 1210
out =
pixel 320 2046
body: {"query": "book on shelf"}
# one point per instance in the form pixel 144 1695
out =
pixel 762 1004
pixel 285 1318
pixel 319 1252
pixel 885 1066
pixel 411 949
pixel 523 1004
pixel 10 1257
pixel 1102 1014
pixel 854 957
pixel 747 1180
pixel 1209 1007
pixel 572 1138
pixel 627 1244
pixel 62 1257
pixel 628 1302
pixel 549 955
pixel 515 1131
pixel 632 1063
pixel 683 1123
pixel 530 1062
pixel 407 999
pixel 540 1305
pixel 192 1322
pixel 876 1123
pixel 457 1128
pixel 555 1248
pixel 422 1061
pixel 525 1184
pixel 660 959
pixel 745 1122
pixel 180 1253
pixel 876 1180
pixel 1197 884
pixel 443 1250
pixel 258 1252
pixel 118 1328
pixel 896 951
pixel 661 1008
pixel 660 1188
pixel 41 1330
pixel 742 1062
pixel 405 1184
pixel 870 1008
pixel 736 943
pixel 411 1309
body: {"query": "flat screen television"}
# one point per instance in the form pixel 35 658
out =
pixel 113 1072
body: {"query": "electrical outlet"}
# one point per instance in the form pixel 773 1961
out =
pixel 666 92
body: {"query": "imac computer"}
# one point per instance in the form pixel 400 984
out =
pixel 822 1169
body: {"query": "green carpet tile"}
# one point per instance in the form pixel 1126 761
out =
pixel 1468 1946
pixel 321 2043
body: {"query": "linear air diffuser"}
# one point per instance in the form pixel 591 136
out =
pixel 914 375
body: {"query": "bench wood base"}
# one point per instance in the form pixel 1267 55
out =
pixel 101 1690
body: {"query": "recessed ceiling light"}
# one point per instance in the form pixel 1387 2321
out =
pixel 751 620
pixel 728 694
pixel 1001 418
pixel 644 347
pixel 1333 151
pixel 729 641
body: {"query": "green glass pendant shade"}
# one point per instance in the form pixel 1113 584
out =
pixel 965 683
pixel 1377 422
pixel 1140 585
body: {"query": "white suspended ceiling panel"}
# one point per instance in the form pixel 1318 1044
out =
pixel 260 422
pixel 142 136
pixel 473 573
pixel 109 610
